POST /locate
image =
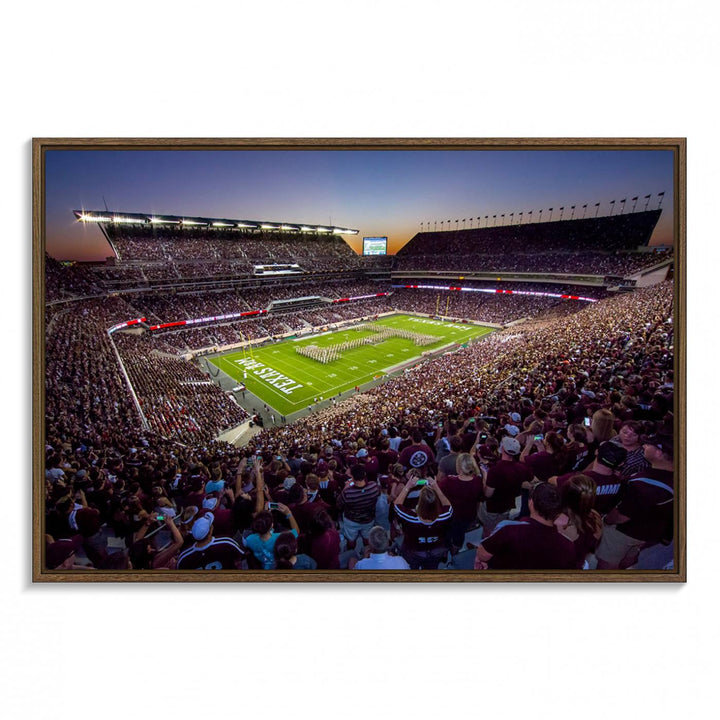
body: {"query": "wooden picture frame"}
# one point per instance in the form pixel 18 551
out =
pixel 40 146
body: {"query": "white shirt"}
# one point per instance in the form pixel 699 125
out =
pixel 382 561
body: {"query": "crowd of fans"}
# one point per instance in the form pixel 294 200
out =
pixel 546 446
pixel 85 386
pixel 603 264
pixel 185 306
pixel 500 309
pixel 176 398
pixel 193 253
pixel 612 233
pixel 67 280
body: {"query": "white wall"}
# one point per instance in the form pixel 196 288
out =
pixel 653 278
pixel 376 69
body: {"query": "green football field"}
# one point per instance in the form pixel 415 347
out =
pixel 289 382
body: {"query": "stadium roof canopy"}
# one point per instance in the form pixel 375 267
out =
pixel 109 217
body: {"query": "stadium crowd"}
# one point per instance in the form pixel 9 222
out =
pixel 611 233
pixel 500 309
pixel 198 304
pixel 63 281
pixel 545 446
pixel 586 263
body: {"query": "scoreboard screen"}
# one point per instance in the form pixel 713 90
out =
pixel 374 246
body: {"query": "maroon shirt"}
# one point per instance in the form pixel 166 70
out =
pixel 529 545
pixel 415 456
pixel 304 513
pixel 223 523
pixel 506 477
pixel 329 490
pixel 371 467
pixel 464 495
pixel 609 488
pixel 544 465
pixel 385 459
pixel 325 550
pixel 648 502
pixel 194 498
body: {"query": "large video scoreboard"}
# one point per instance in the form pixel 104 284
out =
pixel 375 246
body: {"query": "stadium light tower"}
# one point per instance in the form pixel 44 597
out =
pixel 661 196
pixel 529 218
pixel 597 208
pixel 478 221
pixel 550 211
pixel 622 205
pixel 647 201
pixel 512 219
pixel 635 199
pixel 457 223
pixel 572 214
pixel 520 223
pixel 486 220
pixel 421 227
pixel 612 207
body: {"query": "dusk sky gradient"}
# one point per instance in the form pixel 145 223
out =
pixel 376 192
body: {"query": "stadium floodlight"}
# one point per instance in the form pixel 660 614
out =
pixel 164 222
pixel 222 224
pixel 119 219
pixel 305 228
pixel 192 222
pixel 94 218
pixel 246 225
pixel 323 229
pixel 268 227
pixel 288 227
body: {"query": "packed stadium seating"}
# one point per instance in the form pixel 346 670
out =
pixel 132 426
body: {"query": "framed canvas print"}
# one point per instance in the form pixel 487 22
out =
pixel 443 360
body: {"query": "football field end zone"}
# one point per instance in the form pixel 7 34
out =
pixel 300 408
pixel 268 393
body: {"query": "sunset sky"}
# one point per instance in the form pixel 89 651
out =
pixel 376 192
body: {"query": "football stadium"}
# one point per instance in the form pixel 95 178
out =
pixel 240 394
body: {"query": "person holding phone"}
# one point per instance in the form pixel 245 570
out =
pixel 425 529
pixel 550 456
pixel 261 542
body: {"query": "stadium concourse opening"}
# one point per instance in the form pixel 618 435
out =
pixel 516 412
